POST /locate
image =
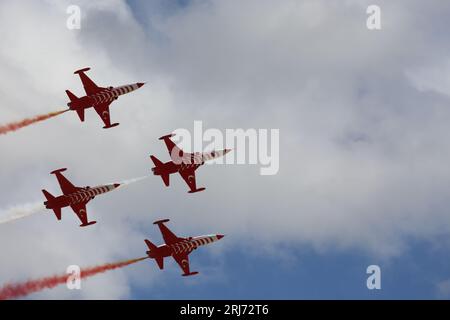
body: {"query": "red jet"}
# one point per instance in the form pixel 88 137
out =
pixel 178 248
pixel 98 97
pixel 182 162
pixel 75 197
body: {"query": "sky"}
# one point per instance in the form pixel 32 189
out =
pixel 363 119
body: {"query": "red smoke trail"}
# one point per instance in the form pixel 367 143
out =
pixel 26 122
pixel 12 291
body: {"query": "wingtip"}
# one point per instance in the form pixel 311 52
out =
pixel 58 170
pixel 167 136
pixel 111 126
pixel 161 221
pixel 197 190
pixel 88 224
pixel 190 274
pixel 82 70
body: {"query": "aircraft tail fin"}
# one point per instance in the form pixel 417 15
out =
pixel 50 198
pixel 163 175
pixel 153 249
pixel 150 245
pixel 156 161
pixel 71 96
pixel 80 111
pixel 48 195
pixel 189 274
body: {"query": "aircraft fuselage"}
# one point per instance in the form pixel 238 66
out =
pixel 81 196
pixel 171 167
pixel 186 245
pixel 106 95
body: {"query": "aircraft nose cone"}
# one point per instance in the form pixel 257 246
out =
pixel 116 185
pixel 227 150
pixel 140 84
pixel 220 236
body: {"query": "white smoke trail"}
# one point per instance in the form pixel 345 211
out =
pixel 130 181
pixel 20 211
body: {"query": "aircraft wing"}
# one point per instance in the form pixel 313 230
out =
pixel 66 186
pixel 103 111
pixel 179 156
pixel 188 175
pixel 168 236
pixel 80 211
pixel 174 151
pixel 183 261
pixel 89 86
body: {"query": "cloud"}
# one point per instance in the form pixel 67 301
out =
pixel 363 117
pixel 362 149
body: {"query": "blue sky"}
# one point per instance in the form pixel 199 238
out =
pixel 362 114
pixel 340 275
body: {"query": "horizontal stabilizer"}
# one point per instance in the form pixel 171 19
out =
pixel 80 113
pixel 58 170
pixel 82 70
pixel 166 178
pixel 160 261
pixel 161 221
pixel 57 212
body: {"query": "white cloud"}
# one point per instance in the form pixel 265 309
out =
pixel 363 149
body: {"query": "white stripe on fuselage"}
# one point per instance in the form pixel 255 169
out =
pixel 189 245
pixel 83 196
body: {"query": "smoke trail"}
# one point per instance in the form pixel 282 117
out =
pixel 26 122
pixel 20 211
pixel 12 291
pixel 130 181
